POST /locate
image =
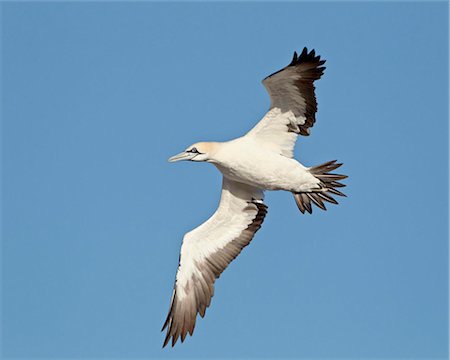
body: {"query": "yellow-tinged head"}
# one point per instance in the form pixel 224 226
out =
pixel 201 151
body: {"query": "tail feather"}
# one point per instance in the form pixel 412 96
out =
pixel 317 201
pixel 328 184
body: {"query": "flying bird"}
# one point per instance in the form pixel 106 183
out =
pixel 260 160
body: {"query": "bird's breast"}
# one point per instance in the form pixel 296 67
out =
pixel 258 167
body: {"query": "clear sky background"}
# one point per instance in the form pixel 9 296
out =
pixel 97 96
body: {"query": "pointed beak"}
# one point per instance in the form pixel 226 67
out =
pixel 182 156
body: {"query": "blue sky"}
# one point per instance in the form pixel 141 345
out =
pixel 97 96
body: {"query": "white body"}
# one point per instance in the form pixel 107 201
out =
pixel 247 160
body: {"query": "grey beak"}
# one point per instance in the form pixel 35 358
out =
pixel 182 156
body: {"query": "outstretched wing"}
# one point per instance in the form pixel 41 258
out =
pixel 206 252
pixel 293 102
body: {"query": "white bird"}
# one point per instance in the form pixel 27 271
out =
pixel 260 160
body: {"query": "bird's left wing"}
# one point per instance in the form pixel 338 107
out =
pixel 206 252
pixel 293 103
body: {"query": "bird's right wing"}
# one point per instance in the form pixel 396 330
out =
pixel 293 103
pixel 206 252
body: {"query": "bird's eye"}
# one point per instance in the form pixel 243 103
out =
pixel 194 150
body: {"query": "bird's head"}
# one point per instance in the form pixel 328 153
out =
pixel 201 151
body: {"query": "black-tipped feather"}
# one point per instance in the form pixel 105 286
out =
pixel 336 192
pixel 316 200
pixel 292 89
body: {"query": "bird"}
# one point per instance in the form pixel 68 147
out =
pixel 262 159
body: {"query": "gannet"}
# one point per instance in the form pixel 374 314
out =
pixel 260 160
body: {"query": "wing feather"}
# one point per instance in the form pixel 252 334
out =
pixel 293 103
pixel 206 252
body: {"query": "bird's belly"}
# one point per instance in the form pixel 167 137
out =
pixel 265 172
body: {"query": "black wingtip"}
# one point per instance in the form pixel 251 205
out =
pixel 294 58
pixel 306 56
pixel 166 341
pixel 166 322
